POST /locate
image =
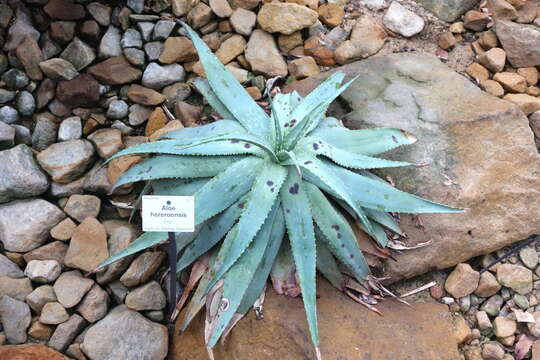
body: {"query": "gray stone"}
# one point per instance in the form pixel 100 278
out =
pixel 153 50
pixel 53 313
pixel 45 92
pixel 144 266
pixel 49 48
pixel 118 109
pixel 43 271
pixel 67 160
pixel 25 103
pixel 66 332
pixel 135 57
pixel 96 180
pixel 20 176
pixel 458 125
pixel 25 224
pixel 7 138
pixel 8 115
pixel 39 297
pixel 402 21
pixel 243 21
pixel 45 132
pixel 156 77
pixel 521 43
pixel 146 29
pixel 71 287
pixel 6 96
pixel 529 257
pixel 15 79
pixel 100 12
pixel 155 315
pixel 147 297
pixel 263 55
pixel 131 38
pixel 448 10
pixel 121 234
pixel 16 319
pixel 9 268
pixel 136 5
pixel 70 129
pixel 162 29
pixel 118 291
pixel 95 304
pixel 17 289
pixel 59 108
pixel 174 93
pixel 79 207
pixel 58 69
pixel 124 129
pixel 492 306
pixel 79 54
pixel 110 43
pixel 147 340
pixel 21 28
pixel 138 114
pixel 58 190
pixel 22 135
pixel 5 15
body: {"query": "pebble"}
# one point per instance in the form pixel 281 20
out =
pixel 53 313
pixel 153 50
pixel 88 245
pixel 15 317
pixel 516 277
pixel 492 351
pixel 178 49
pixel 331 14
pixel 79 54
pixel 66 332
pixel 146 297
pixel 70 288
pixel 8 115
pixel 17 289
pixel 40 296
pixel 367 38
pixel 115 71
pixel 176 92
pixel 475 20
pixel 501 9
pixel 70 129
pixel 492 306
pixel 94 305
pixel 66 161
pixel 285 18
pixel 488 285
pixel 6 96
pixel 511 82
pixel 131 38
pixel 162 29
pixel 527 103
pixel 7 136
pixel 100 12
pixel 118 109
pixel 156 76
pixel 402 21
pixel 40 331
pixel 64 230
pixel 144 266
pixel 462 281
pixel 231 48
pixel 146 29
pixel 110 43
pixel 263 54
pixel 83 90
pixel 534 328
pixel 9 268
pixel 200 15
pixel 504 327
pixel 79 207
pixel 303 67
pixel 492 87
pixel 15 79
pixel 135 57
pixel 529 257
pixel 55 250
pixel 43 271
pixel 107 141
pixel 26 104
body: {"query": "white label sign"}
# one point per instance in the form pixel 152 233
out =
pixel 168 213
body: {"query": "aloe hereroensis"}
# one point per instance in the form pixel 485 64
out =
pixel 256 177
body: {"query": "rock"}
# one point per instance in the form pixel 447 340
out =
pixel 367 38
pixel 70 288
pixel 107 141
pixel 529 257
pixel 39 297
pixel 221 8
pixel 448 11
pixel 66 332
pixel 516 277
pixel 20 177
pixel 243 21
pixel 6 96
pixel 79 54
pixel 477 72
pixel 29 54
pixel 144 266
pixel 64 10
pixel 303 67
pixel 44 131
pixel 25 103
pixel 8 115
pixel 475 20
pixel 15 79
pixel 285 18
pixel 162 29
pixel 389 77
pixel 9 268
pixel 156 76
pixel 504 327
pixel 131 38
pixel 482 319
pixel 178 49
pixel 200 15
pixel 487 285
pixel 134 57
pixel 96 180
pixel 20 28
pixel 67 160
pixel 120 165
pixel 7 137
pixel 74 350
pixel 527 103
pixel 534 328
pixel 70 129
pixel 94 305
pixel 64 230
pixel 80 207
pixel 25 224
pixel 43 271
pixel 17 289
pixel 492 87
pixel 535 352
pixel 331 14
pixel 527 13
pixel 153 50
pixel 190 115
pixel 511 81
pixel 55 250
pixel 40 331
pixel 521 43
pixel 493 59
pixel 156 121
pixel 231 48
pixel 462 281
pixel 5 15
pixel 492 351
pixel 83 90
pixel 29 352
pixel 143 96
pixel 402 21
pixel 110 43
pixel 22 135
pixel 15 317
pixel 263 55
pixel 62 31
pixel 88 245
pixel 115 71
pixel 530 74
pixel 447 40
pixel 502 10
pixel 53 313
pixel 101 13
pixel 176 92
pixel 118 291
pixel 146 297
pixel 285 324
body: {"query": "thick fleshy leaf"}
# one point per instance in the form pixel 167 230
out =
pixel 204 88
pixel 178 187
pixel 302 237
pixel 337 234
pixel 262 198
pixel 229 91
pixel 381 196
pixel 327 265
pixel 365 141
pixel 238 278
pixel 379 234
pixel 225 189
pixel 283 273
pixel 181 167
pixel 216 127
pixel 384 219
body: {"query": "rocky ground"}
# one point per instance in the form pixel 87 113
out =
pixel 81 80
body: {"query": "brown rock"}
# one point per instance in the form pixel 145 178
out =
pixel 488 285
pixel 314 46
pixel 475 20
pixel 515 277
pixel 285 18
pixel 263 55
pixel 115 71
pixel 492 87
pixel 521 43
pixel 29 352
pixel 94 305
pixel 303 67
pixel 501 9
pixel 245 4
pixel 221 8
pixel 40 331
pixel 331 14
pixel 462 331
pixel 504 327
pixel 533 91
pixel 29 54
pixel 462 281
pixel 200 15
pixel 88 246
pixel 493 59
pixel 421 332
pixel 488 39
pixel 178 49
pixel 53 313
pixel 74 350
pixel 288 42
pixel 492 351
pixel 62 31
pixel 144 266
pixel 187 113
pixel 118 166
pixel 511 81
pixel 477 72
pixel 55 250
pixel 367 38
pixel 144 96
pixel 447 40
pixel 254 92
pixel 535 352
pixel 107 141
pixel 80 207
pixel 231 48
pixel 527 103
pixel 17 289
pixel 182 7
pixel 243 21
pixel 527 12
pixel 90 31
pixel 530 74
pixel 64 10
pixel 83 90
pixel 63 230
pixel 171 125
pixel 156 121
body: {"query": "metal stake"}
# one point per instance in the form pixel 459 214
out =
pixel 171 252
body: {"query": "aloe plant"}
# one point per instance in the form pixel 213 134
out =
pixel 256 177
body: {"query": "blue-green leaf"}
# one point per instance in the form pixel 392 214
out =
pixel 229 91
pixel 216 127
pixel 384 219
pixel 178 187
pixel 327 265
pixel 302 237
pixel 204 88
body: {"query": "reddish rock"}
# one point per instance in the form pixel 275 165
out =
pixel 144 96
pixel 82 90
pixel 64 10
pixel 115 71
pixel 29 352
pixel 29 54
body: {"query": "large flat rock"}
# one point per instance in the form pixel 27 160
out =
pixel 347 331
pixel 479 149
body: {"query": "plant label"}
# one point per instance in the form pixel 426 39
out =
pixel 168 213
